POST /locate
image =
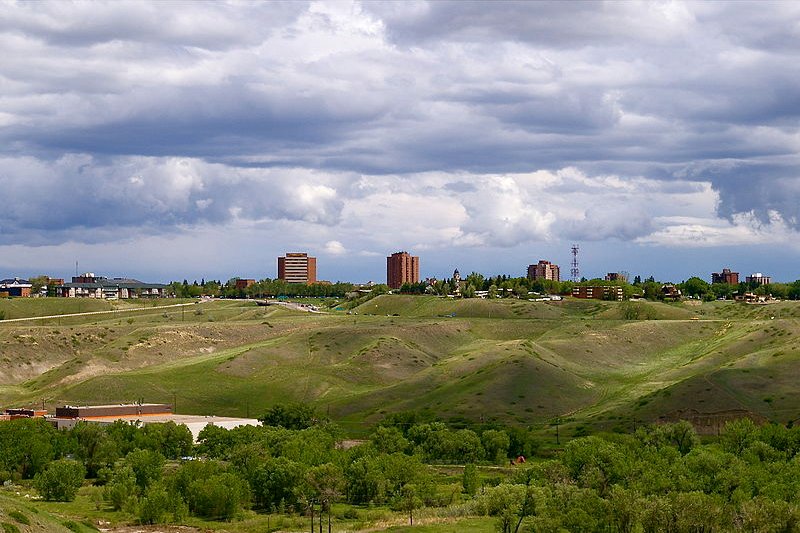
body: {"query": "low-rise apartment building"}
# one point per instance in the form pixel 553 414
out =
pixel 607 292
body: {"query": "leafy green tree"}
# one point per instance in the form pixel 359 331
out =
pixel 120 491
pixel 292 416
pixel 495 444
pixel 28 445
pixel 147 467
pixel 652 290
pixel 214 441
pixel 594 463
pixel 709 470
pixel 327 482
pixel 697 511
pixel 470 480
pixel 737 435
pixel 221 497
pixel 124 434
pixel 155 506
pixel 389 440
pixel 764 514
pixel 60 480
pixel 624 509
pixel 505 502
pixel 522 442
pixel 277 481
pixel 379 478
pixel 475 279
pixel 722 290
pixel 169 439
pixel 469 291
pixel 681 435
pixel 695 287
pixel 37 282
pixel 408 500
pixel 94 447
pixel 247 458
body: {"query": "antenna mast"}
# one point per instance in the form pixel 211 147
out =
pixel 575 272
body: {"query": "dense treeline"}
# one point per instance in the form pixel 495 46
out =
pixel 661 478
pixel 501 286
pixel 521 287
pixel 265 288
pixel 699 288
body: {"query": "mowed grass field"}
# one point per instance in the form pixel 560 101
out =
pixel 592 364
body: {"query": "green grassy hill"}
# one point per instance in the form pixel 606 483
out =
pixel 16 516
pixel 605 364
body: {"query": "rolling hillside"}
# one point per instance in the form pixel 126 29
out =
pixel 508 360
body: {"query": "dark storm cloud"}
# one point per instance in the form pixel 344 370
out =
pixel 208 123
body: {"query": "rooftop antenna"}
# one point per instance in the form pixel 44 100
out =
pixel 575 272
pixel 76 269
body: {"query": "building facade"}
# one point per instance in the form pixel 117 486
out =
pixel 90 286
pixel 401 267
pixel 598 293
pixel 617 276
pixel 726 276
pixel 243 283
pixel 544 270
pixel 15 287
pixel 297 267
pixel 758 278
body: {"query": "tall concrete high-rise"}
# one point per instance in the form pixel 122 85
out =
pixel 297 268
pixel 401 267
pixel 544 270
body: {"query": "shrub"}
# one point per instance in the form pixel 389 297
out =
pixel 60 480
pixel 154 508
pixel 9 528
pixel 19 517
pixel 220 497
pixel 72 526
pixel 470 480
pixel 351 513
pixel 121 490
pixel 147 466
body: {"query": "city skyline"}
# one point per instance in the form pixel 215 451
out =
pixel 161 141
pixel 307 266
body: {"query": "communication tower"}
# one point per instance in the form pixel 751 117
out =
pixel 575 272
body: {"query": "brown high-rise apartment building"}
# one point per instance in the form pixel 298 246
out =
pixel 726 276
pixel 297 268
pixel 401 267
pixel 544 270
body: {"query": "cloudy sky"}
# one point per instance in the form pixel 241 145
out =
pixel 204 139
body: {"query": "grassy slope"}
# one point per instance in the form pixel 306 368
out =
pixel 27 307
pixel 12 509
pixel 508 360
